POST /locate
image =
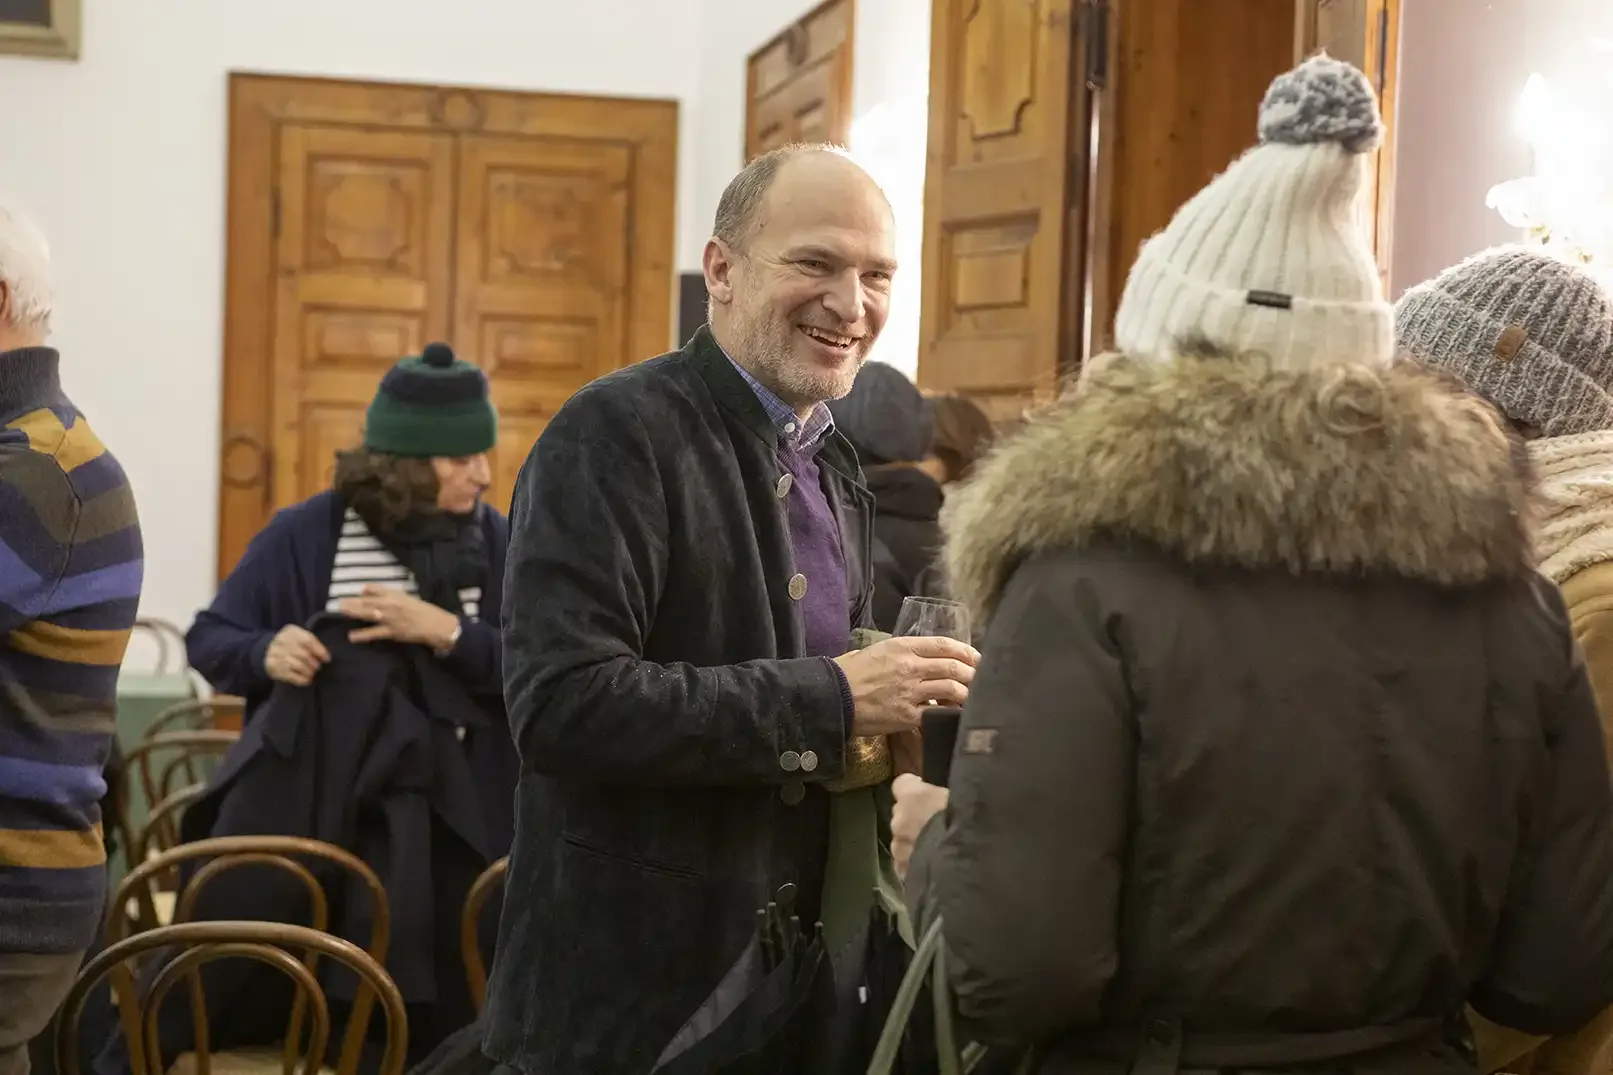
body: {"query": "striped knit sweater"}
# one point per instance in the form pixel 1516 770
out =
pixel 70 573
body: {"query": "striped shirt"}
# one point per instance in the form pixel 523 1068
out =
pixel 71 568
pixel 361 560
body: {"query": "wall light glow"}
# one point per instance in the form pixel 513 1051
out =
pixel 1567 204
pixel 890 141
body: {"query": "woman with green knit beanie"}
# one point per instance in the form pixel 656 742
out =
pixel 403 543
pixel 372 611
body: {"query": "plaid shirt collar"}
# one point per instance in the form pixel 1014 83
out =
pixel 798 436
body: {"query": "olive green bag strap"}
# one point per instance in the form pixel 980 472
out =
pixel 931 959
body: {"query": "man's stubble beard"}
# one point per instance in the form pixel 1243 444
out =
pixel 771 353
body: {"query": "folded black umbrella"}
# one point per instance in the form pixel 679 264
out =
pixel 886 965
pixel 761 1015
pixel 868 972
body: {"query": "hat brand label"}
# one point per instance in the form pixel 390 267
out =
pixel 1511 341
pixel 1274 299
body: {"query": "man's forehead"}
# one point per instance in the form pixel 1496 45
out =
pixel 839 209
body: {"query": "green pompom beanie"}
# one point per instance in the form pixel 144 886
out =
pixel 432 404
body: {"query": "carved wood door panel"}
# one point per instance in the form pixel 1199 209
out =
pixel 365 235
pixel 1062 134
pixel 532 232
pixel 799 82
pixel 997 197
pixel 542 280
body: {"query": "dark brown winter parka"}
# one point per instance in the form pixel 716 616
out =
pixel 1279 751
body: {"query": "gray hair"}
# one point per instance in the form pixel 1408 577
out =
pixel 25 270
pixel 741 200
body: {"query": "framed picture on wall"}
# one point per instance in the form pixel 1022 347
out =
pixel 40 28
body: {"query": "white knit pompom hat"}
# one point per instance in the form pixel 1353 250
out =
pixel 1272 257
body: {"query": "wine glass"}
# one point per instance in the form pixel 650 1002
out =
pixel 933 617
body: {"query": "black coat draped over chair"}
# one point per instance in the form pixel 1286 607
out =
pixel 388 756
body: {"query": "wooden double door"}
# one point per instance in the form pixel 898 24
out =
pixel 532 232
pixel 1063 133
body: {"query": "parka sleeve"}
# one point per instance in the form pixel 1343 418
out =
pixel 1025 866
pixel 1551 966
pixel 1589 596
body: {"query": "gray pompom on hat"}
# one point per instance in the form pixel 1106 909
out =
pixel 1322 100
pixel 1529 332
pixel 1272 260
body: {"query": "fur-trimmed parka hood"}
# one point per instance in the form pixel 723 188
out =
pixel 1341 469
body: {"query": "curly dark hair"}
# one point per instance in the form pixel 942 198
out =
pixel 963 433
pixel 383 488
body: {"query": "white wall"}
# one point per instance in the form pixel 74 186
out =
pixel 122 159
pixel 732 30
pixel 890 95
pixel 1463 67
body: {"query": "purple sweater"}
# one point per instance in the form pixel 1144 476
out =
pixel 818 583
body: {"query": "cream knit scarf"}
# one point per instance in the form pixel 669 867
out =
pixel 1575 523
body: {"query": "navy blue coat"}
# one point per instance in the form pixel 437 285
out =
pixel 284 578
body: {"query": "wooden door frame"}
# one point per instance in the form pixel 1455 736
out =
pixel 260 102
pixel 1373 45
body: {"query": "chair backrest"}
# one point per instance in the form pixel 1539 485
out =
pixel 184 750
pixel 470 939
pixel 161 830
pixel 280 852
pixel 221 713
pixel 199 943
pixel 170 642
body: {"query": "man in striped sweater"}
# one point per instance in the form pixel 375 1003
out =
pixel 70 573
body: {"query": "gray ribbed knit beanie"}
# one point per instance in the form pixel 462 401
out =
pixel 885 416
pixel 1527 331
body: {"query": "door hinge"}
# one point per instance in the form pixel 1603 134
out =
pixel 1095 28
pixel 274 211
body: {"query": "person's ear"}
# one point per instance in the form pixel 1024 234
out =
pixel 718 262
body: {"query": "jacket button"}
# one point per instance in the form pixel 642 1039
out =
pixel 809 761
pixel 792 793
pixel 797 587
pixel 784 485
pixel 790 761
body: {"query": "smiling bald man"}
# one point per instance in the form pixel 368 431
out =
pixel 690 554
